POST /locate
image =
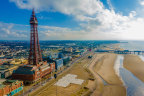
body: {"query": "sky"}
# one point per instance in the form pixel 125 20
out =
pixel 73 19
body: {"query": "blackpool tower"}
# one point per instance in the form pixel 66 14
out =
pixel 35 57
pixel 36 68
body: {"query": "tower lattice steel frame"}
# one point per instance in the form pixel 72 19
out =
pixel 35 57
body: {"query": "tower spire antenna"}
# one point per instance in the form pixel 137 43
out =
pixel 33 11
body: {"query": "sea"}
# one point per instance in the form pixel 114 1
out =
pixel 132 45
pixel 134 86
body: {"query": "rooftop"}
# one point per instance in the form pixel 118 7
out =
pixel 11 82
pixel 2 80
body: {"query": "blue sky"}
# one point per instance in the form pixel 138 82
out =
pixel 10 13
pixel 73 19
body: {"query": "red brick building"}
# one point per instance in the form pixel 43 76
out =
pixel 11 87
pixel 32 73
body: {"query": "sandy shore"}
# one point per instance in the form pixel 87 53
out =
pixel 104 70
pixel 134 64
pixel 99 83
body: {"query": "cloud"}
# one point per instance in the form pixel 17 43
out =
pixel 96 21
pixel 10 31
pixel 142 2
pixel 64 6
pixel 110 4
pixel 58 33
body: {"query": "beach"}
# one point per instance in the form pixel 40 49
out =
pixel 135 65
pixel 108 83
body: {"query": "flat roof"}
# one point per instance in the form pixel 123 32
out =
pixel 2 80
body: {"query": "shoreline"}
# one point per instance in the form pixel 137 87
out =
pixel 107 72
pixel 115 85
pixel 135 64
pixel 104 69
pixel 117 71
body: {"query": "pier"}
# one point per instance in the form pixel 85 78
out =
pixel 121 52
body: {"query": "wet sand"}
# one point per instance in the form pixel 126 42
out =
pixel 135 65
pixel 104 69
pixel 114 90
pixel 107 72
